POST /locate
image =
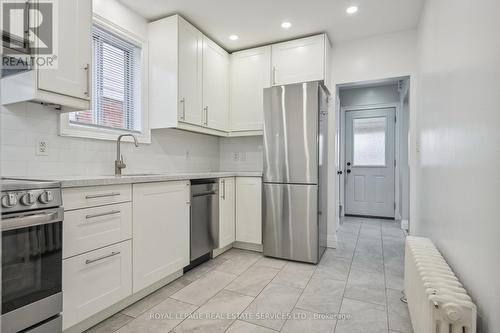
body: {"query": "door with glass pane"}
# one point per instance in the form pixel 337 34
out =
pixel 370 162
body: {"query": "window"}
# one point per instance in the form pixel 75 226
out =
pixel 117 88
pixel 369 141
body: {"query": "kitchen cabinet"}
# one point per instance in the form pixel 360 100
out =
pixel 249 210
pixel 188 78
pixel 69 83
pixel 95 280
pixel 301 60
pixel 215 85
pixel 250 74
pixel 227 211
pixel 190 73
pixel 160 231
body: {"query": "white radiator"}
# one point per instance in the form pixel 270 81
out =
pixel 437 301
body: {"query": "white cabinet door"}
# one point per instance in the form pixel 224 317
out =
pixel 74 51
pixel 249 210
pixel 190 73
pixel 215 85
pixel 250 74
pixel 226 211
pixel 160 231
pixel 299 60
pixel 96 280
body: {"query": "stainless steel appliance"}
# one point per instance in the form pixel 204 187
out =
pixel 295 171
pixel 31 256
pixel 204 219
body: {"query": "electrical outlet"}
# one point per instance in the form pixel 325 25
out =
pixel 188 155
pixel 236 157
pixel 42 147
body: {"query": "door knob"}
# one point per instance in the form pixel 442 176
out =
pixel 348 170
pixel 339 172
pixel 348 163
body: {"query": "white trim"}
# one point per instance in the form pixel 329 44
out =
pixel 82 131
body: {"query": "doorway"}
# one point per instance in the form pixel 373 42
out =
pixel 373 140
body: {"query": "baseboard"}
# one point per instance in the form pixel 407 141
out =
pixel 115 308
pixel 331 241
pixel 248 246
pixel 404 225
pixel 218 252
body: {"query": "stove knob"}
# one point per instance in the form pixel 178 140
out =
pixel 9 200
pixel 46 197
pixel 28 199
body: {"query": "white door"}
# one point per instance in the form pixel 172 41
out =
pixel 249 210
pixel 299 60
pixel 250 74
pixel 190 73
pixel 74 53
pixel 160 231
pixel 215 85
pixel 226 211
pixel 370 162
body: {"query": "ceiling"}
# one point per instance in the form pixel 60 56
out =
pixel 258 22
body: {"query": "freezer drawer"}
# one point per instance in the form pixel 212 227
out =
pixel 290 222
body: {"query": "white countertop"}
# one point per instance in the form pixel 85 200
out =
pixel 80 181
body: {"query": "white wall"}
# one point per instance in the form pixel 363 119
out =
pixel 241 154
pixel 459 117
pixel 371 59
pixel 23 124
pixel 369 95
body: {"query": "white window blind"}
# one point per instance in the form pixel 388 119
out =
pixel 116 84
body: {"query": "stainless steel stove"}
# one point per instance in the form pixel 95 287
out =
pixel 32 217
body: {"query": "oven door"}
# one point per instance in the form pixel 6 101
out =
pixel 31 267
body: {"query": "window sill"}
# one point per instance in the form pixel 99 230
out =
pixel 89 132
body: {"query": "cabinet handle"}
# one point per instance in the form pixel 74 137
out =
pixel 93 216
pixel 274 75
pixel 183 101
pixel 224 189
pixel 87 70
pixel 206 115
pixel 112 254
pixel 104 195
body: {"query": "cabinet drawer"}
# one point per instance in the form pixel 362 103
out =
pixel 91 228
pixel 83 197
pixel 96 280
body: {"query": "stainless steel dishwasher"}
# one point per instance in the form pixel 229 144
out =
pixel 204 219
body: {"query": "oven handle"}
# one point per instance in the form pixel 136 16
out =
pixel 24 220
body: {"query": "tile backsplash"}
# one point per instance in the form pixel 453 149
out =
pixel 23 125
pixel 241 154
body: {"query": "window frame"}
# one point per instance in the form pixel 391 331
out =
pixel 66 128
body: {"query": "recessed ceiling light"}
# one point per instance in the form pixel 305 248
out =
pixel 234 37
pixel 286 25
pixel 351 10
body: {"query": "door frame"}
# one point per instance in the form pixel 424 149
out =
pixel 342 150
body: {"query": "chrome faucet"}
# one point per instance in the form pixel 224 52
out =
pixel 119 164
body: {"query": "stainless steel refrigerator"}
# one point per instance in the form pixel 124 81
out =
pixel 294 211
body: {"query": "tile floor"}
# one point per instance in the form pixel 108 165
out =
pixel 361 280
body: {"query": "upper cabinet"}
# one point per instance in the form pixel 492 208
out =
pixel 188 81
pixel 301 60
pixel 250 74
pixel 215 85
pixel 69 84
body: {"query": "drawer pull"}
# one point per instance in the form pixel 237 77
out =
pixel 112 254
pixel 104 195
pixel 93 216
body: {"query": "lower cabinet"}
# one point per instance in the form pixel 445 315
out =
pixel 96 280
pixel 249 210
pixel 226 211
pixel 160 231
